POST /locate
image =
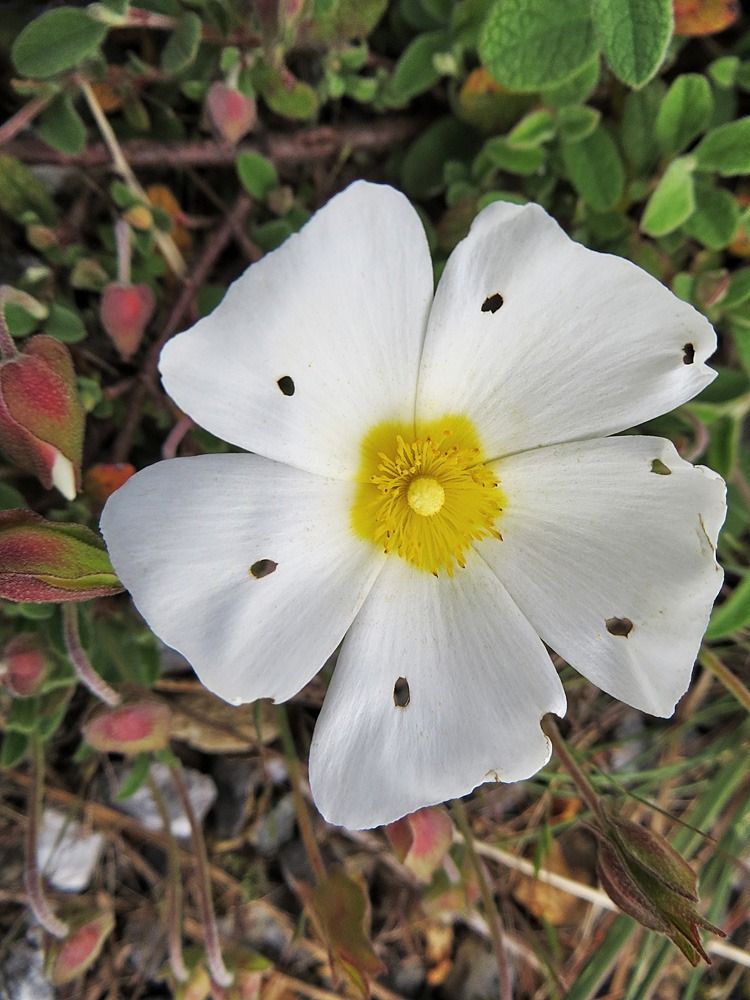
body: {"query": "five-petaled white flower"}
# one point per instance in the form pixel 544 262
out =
pixel 430 481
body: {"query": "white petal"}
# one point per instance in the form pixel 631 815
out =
pixel 591 534
pixel 479 682
pixel 340 309
pixel 584 344
pixel 64 476
pixel 183 536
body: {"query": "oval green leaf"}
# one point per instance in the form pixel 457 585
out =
pixel 182 47
pixel 673 201
pixel 529 44
pixel 634 35
pixel 685 112
pixel 57 41
pixel 726 149
pixel 595 169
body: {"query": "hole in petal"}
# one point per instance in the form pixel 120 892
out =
pixel 492 303
pixel 660 468
pixel 286 384
pixel 401 693
pixel 619 626
pixel 688 354
pixel 263 567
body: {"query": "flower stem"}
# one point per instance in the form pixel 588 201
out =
pixel 86 673
pixel 490 909
pixel 733 684
pixel 303 816
pixel 174 889
pixel 32 875
pixel 582 783
pixel 219 972
pixel 122 238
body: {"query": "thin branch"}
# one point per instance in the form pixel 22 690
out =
pixel 174 889
pixel 304 146
pixel 219 972
pixel 214 248
pixel 490 910
pixel 303 816
pixel 733 684
pixel 165 242
pixel 22 118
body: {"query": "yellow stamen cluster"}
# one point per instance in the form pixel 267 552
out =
pixel 427 497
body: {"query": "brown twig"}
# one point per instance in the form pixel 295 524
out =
pixel 23 117
pixel 304 146
pixel 211 253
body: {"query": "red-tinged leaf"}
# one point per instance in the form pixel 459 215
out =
pixel 130 729
pixel 340 911
pixel 101 481
pixel 125 313
pixel 704 17
pixel 41 415
pixel 427 835
pixel 24 665
pixel 232 113
pixel 68 959
pixel 49 561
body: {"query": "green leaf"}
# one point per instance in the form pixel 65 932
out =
pixel 533 130
pixel 62 127
pixel 272 234
pixel 529 44
pixel 257 174
pixel 57 41
pixel 576 89
pixel 290 97
pixel 638 126
pixel 19 321
pixel 64 324
pixel 576 121
pixel 739 289
pixel 516 161
pixel 467 21
pixel 595 169
pixel 673 201
pixel 733 614
pixel 182 46
pixel 685 112
pixel 634 35
pixel 726 149
pixel 422 166
pixel 136 777
pixel 15 748
pixel 723 71
pixel 416 70
pixel 22 191
pixel 715 219
pixel 724 446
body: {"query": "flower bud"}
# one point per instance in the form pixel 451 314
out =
pixel 125 312
pixel 24 665
pixel 649 881
pixel 41 416
pixel 130 729
pixel 49 561
pixel 232 113
pixel 67 959
pixel 421 840
pixel 102 480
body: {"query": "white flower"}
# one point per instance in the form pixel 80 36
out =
pixel 431 482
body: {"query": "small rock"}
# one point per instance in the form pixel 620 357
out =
pixel 276 827
pixel 21 976
pixel 201 792
pixel 66 852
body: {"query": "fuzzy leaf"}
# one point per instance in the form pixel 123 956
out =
pixel 57 41
pixel 529 44
pixel 685 112
pixel 673 201
pixel 634 35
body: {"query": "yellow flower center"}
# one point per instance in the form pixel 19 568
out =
pixel 426 497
